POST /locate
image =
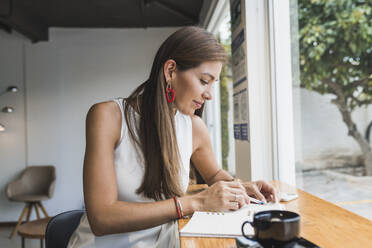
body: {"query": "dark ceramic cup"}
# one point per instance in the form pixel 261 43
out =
pixel 274 227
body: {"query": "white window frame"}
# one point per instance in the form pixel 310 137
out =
pixel 269 52
pixel 270 90
pixel 282 87
pixel 212 111
pixel 270 106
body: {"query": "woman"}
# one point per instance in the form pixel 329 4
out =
pixel 138 152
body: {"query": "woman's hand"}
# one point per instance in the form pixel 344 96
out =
pixel 261 190
pixel 222 196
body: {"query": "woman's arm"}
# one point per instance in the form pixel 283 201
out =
pixel 203 157
pixel 205 162
pixel 106 214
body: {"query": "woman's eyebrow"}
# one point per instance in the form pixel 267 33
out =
pixel 206 73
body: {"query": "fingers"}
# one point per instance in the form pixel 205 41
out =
pixel 268 190
pixel 223 196
pixel 238 194
pixel 254 191
pixel 272 196
pixel 231 195
pixel 276 197
pixel 234 195
pixel 234 205
pixel 257 194
pixel 238 188
pixel 262 191
pixel 240 199
pixel 236 185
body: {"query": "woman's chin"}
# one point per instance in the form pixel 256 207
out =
pixel 190 112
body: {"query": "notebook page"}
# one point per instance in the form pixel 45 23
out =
pixel 227 224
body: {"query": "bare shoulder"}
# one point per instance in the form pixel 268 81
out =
pixel 102 110
pixel 198 124
pixel 104 118
pixel 200 133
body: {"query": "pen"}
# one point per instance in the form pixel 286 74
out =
pixel 254 200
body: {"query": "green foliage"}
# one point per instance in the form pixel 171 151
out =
pixel 336 48
pixel 224 98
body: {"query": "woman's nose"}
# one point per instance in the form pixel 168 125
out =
pixel 207 95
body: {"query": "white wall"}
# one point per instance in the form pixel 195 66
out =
pixel 324 140
pixel 64 77
pixel 12 141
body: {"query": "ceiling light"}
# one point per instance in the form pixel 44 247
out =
pixel 8 109
pixel 12 89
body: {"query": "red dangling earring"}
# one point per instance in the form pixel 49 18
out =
pixel 170 93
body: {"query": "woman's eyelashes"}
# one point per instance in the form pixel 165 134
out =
pixel 203 82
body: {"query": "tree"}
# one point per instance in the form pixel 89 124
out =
pixel 336 57
pixel 224 99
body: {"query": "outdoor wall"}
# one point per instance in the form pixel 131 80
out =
pixel 324 141
pixel 64 77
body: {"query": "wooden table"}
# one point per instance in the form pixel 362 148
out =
pixel 33 230
pixel 322 222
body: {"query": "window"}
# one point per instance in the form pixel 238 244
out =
pixel 332 78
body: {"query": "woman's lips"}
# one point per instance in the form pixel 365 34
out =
pixel 198 104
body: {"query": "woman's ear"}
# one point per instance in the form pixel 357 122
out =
pixel 170 68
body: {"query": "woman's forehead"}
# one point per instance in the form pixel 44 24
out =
pixel 210 69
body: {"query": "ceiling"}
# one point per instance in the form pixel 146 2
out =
pixel 32 18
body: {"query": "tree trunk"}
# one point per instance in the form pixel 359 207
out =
pixel 368 163
pixel 353 132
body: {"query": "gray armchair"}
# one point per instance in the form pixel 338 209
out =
pixel 36 183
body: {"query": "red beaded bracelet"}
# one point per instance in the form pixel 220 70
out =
pixel 178 206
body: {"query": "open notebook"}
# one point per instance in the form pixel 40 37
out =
pixel 226 224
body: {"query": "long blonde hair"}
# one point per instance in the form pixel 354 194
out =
pixel 156 139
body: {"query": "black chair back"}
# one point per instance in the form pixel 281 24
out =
pixel 61 227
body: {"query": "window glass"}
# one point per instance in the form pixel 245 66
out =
pixel 332 93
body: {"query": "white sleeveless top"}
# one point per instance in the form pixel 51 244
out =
pixel 129 168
